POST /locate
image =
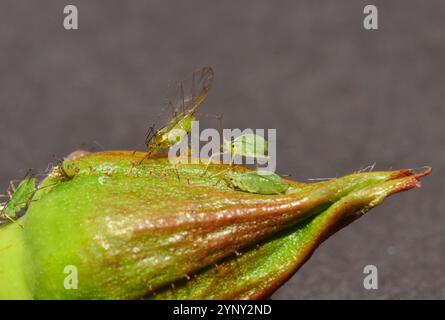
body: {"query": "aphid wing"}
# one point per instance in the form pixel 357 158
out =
pixel 187 96
pixel 190 93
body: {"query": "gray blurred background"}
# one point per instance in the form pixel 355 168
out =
pixel 340 97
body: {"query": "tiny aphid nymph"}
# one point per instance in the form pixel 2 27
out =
pixel 65 170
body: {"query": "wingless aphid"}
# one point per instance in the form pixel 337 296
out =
pixel 260 182
pixel 20 198
pixel 246 145
pixel 184 109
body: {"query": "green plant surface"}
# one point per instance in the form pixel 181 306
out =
pixel 160 231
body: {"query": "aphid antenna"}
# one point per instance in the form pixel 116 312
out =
pixel 96 143
pixel 12 220
pixel 319 179
pixel 209 161
pixel 368 168
pixel 52 164
pixel 57 160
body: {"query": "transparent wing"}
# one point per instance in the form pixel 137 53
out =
pixel 184 98
pixel 189 94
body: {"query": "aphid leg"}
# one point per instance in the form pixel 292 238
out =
pixel 11 188
pixel 148 136
pixel 41 175
pixel 131 168
pixel 210 161
pixel 172 107
pixel 5 216
pixel 12 220
pixel 44 187
pixel 149 153
pixel 99 145
pixel 175 168
pixel 218 174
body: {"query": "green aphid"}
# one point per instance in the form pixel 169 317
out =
pixel 20 198
pixel 260 182
pixel 69 169
pixel 192 93
pixel 65 170
pixel 247 145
